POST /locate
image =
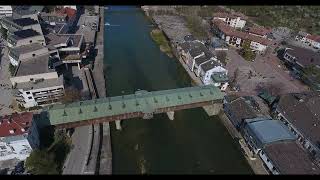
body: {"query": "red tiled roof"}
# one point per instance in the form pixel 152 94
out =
pixel 259 31
pixel 314 38
pixel 15 122
pixel 232 32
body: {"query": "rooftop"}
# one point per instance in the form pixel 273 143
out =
pixel 267 131
pixel 26 48
pixel 201 60
pixel 41 83
pixel 55 39
pixel 189 38
pixel 220 77
pixel 141 101
pixel 230 15
pixel 314 37
pixel 22 34
pixel 303 111
pixel 304 56
pixel 25 21
pixel 37 65
pixel 15 124
pixel 290 158
pixel 259 30
pixel 26 10
pixel 233 32
pixel 209 65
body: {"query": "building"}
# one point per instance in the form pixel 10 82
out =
pixel 238 109
pixel 52 18
pixel 313 40
pixel 189 51
pixel 70 47
pixel 236 38
pixel 36 83
pixel 300 113
pixel 301 36
pixel 212 67
pixel 12 25
pixel 259 31
pixel 27 11
pixel 287 158
pixel 235 20
pixel 18 136
pixel 5 11
pixel 25 52
pixel 300 60
pixel 25 37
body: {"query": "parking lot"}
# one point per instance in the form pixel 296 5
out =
pixel 264 71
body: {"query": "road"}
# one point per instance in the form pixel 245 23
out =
pixel 5 84
pixel 75 162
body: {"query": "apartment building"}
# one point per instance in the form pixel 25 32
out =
pixel 25 37
pixel 235 20
pixel 18 136
pixel 5 11
pixel 36 83
pixel 13 25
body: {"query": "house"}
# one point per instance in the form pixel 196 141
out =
pixel 25 37
pixel 287 158
pixel 190 51
pixel 5 11
pixel 301 36
pixel 209 68
pixel 236 38
pixel 259 31
pixel 12 25
pixel 235 20
pixel 26 11
pixel 238 109
pixel 88 26
pixel 18 136
pixel 25 52
pixel 52 18
pixel 300 59
pixel 300 113
pixel 313 40
pixel 36 83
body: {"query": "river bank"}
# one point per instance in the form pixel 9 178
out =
pixel 158 36
pixel 256 166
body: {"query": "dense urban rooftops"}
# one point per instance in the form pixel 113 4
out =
pixel 25 21
pixel 37 65
pixel 15 124
pixel 26 48
pixel 209 65
pixel 40 83
pixel 23 34
pixel 304 56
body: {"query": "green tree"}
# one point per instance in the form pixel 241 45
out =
pixel 41 162
pixel 246 51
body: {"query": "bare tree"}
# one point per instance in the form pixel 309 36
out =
pixel 71 95
pixel 221 56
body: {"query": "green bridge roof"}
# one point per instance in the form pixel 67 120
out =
pixel 141 101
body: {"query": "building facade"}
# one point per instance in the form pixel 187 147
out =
pixel 232 20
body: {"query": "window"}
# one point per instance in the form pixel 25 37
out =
pixel 29 97
pixel 33 55
pixel 30 41
pixel 28 92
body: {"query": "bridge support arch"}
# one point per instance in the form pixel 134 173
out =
pixel 118 124
pixel 170 115
pixel 213 109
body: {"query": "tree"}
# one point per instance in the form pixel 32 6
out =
pixel 71 95
pixel 41 162
pixel 221 56
pixel 246 51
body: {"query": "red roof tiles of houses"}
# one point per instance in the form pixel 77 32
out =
pixel 17 123
pixel 259 31
pixel 314 38
pixel 232 32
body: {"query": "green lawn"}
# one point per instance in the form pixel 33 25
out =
pixel 158 36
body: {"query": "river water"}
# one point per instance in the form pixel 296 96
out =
pixel 193 142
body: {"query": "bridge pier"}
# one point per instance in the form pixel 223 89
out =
pixel 118 124
pixel 170 115
pixel 213 109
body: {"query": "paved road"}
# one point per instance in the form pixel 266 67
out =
pixel 75 162
pixel 6 91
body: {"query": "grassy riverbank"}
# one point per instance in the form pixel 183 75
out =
pixel 158 36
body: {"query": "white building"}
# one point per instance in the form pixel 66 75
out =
pixel 36 83
pixel 236 38
pixel 18 136
pixel 313 40
pixel 232 20
pixel 5 11
pixel 71 7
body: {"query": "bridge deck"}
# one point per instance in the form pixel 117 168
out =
pixel 141 101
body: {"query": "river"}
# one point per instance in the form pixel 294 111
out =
pixel 192 143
